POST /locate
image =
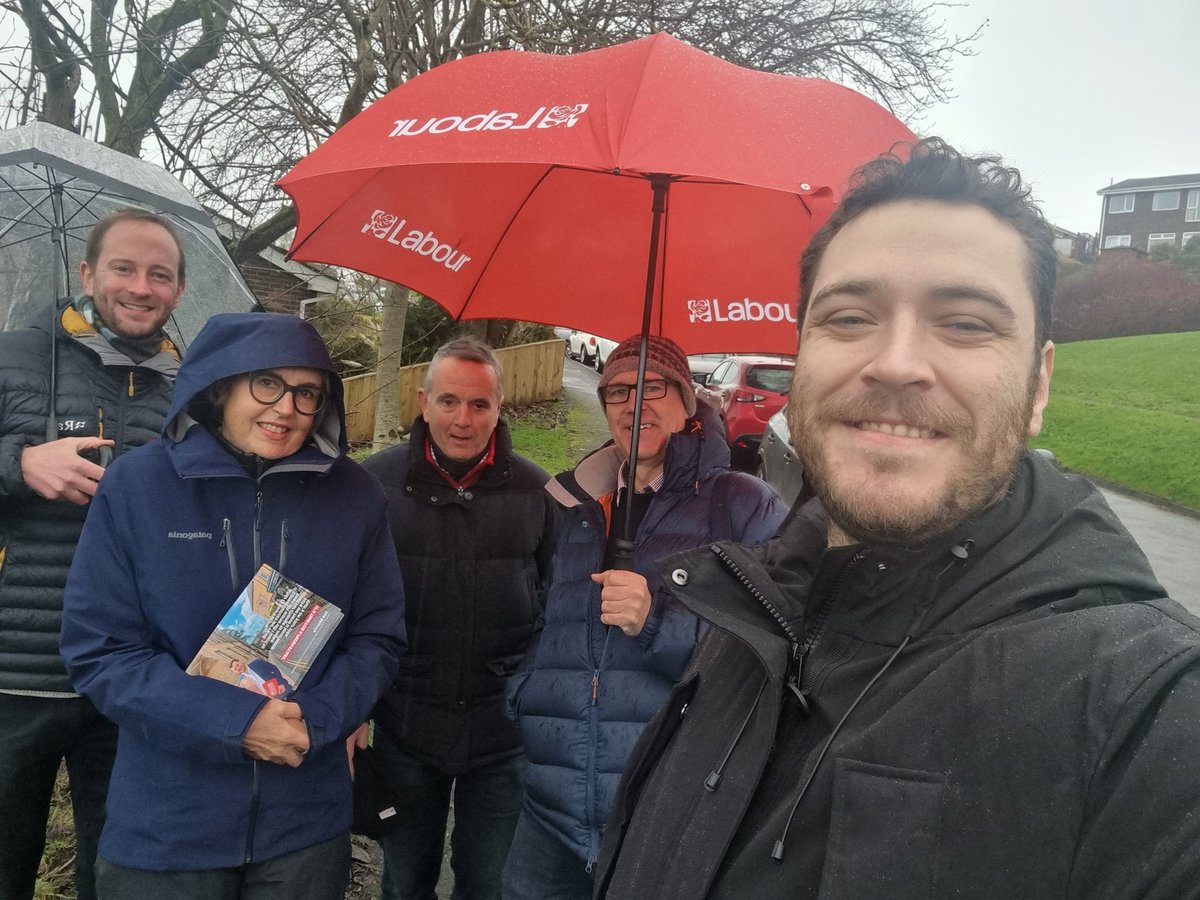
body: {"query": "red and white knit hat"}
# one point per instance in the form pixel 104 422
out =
pixel 663 356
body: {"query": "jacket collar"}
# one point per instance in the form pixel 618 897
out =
pixel 1052 537
pixel 73 324
pixel 497 473
pixel 694 455
pixel 198 454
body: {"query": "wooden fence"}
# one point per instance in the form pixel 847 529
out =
pixel 532 373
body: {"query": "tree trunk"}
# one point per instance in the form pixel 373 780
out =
pixel 388 427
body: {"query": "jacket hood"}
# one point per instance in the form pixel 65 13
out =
pixel 1052 536
pixel 234 343
pixel 1052 540
pixel 693 455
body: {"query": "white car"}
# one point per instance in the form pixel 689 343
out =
pixel 589 349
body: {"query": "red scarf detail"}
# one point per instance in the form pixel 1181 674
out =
pixel 471 477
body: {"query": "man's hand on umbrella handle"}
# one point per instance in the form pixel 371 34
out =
pixel 56 471
pixel 624 600
pixel 358 738
pixel 277 734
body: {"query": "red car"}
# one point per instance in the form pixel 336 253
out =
pixel 748 390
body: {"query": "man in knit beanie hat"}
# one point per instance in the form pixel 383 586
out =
pixel 614 641
pixel 662 356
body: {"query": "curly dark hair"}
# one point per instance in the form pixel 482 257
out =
pixel 930 169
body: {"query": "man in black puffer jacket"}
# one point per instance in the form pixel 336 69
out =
pixel 474 530
pixel 110 368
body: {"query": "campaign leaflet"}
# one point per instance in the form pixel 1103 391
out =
pixel 268 640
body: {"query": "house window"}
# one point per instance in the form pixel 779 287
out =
pixel 1118 203
pixel 1116 240
pixel 1163 238
pixel 1190 236
pixel 1165 200
pixel 1192 212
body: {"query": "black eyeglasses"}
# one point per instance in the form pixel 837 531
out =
pixel 268 388
pixel 652 389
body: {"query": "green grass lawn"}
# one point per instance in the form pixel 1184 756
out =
pixel 542 433
pixel 1128 410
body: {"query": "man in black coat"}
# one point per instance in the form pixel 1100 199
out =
pixel 72 397
pixel 474 532
pixel 953 674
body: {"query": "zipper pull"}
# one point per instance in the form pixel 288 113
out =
pixel 595 685
pixel 258 511
pixel 131 382
pixel 795 673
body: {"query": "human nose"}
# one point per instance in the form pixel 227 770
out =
pixel 139 284
pixel 900 356
pixel 286 403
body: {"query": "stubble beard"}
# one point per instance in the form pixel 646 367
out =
pixel 109 312
pixel 992 449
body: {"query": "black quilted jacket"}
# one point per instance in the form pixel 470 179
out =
pixel 475 566
pixel 99 391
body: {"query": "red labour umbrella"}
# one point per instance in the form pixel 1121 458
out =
pixel 642 188
pixel 646 186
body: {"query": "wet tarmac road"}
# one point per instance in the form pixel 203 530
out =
pixel 1169 539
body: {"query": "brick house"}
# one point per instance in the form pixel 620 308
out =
pixel 1143 213
pixel 1069 244
pixel 283 285
pixel 280 284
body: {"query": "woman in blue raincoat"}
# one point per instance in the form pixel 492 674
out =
pixel 218 791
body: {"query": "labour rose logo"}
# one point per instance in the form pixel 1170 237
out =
pixel 700 311
pixel 563 115
pixel 380 223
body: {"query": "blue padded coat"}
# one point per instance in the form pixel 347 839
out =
pixel 586 690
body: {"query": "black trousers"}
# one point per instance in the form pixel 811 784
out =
pixel 319 872
pixel 36 735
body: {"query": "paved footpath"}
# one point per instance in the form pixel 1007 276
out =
pixel 1170 540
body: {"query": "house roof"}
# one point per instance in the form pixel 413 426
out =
pixel 319 279
pixel 1143 184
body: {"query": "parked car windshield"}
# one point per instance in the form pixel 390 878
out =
pixel 769 378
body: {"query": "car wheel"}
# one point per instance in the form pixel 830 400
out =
pixel 599 363
pixel 585 359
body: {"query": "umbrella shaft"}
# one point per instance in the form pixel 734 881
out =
pixel 659 185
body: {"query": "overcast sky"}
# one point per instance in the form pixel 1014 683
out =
pixel 1077 95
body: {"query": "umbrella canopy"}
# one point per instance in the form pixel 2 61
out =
pixel 644 186
pixel 54 185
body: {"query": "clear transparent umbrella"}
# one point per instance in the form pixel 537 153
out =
pixel 55 184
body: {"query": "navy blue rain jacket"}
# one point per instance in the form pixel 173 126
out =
pixel 176 530
pixel 587 690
